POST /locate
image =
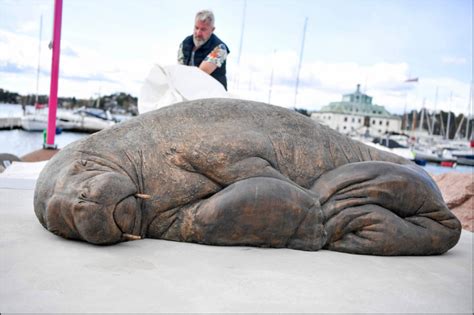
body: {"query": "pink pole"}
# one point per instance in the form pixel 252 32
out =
pixel 53 92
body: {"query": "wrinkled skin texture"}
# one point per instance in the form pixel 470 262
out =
pixel 233 172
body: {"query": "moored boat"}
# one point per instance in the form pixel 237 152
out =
pixel 83 120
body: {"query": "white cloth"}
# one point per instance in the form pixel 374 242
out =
pixel 166 85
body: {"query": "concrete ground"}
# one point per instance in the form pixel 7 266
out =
pixel 40 272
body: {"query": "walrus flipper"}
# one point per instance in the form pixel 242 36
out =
pixel 258 211
pixel 382 208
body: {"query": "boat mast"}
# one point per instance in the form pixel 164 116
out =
pixel 405 116
pixel 459 128
pixel 428 122
pixel 442 130
pixel 53 92
pixel 299 63
pixel 271 78
pixel 39 60
pixel 434 111
pixel 422 112
pixel 449 116
pixel 237 78
pixel 469 112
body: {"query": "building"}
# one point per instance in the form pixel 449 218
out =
pixel 355 115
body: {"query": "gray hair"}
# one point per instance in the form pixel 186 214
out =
pixel 205 16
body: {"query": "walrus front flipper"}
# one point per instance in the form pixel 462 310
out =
pixel 258 211
pixel 383 208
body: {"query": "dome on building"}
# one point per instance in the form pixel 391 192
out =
pixel 356 103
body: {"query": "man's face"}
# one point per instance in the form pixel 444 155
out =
pixel 202 31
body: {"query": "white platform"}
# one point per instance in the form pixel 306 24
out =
pixel 40 272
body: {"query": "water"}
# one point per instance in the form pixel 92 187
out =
pixel 20 142
pixel 435 169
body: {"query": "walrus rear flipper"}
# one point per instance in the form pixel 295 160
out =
pixel 382 208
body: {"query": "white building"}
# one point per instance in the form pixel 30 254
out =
pixel 356 115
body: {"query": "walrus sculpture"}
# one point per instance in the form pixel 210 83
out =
pixel 234 172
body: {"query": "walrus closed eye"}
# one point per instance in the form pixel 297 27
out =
pixel 233 172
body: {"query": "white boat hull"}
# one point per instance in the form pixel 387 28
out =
pixel 66 121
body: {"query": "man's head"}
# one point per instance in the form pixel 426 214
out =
pixel 203 27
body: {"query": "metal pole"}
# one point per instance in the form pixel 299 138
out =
pixel 271 78
pixel 448 127
pixel 237 78
pixel 53 93
pixel 39 60
pixel 422 112
pixel 434 111
pixel 299 63
pixel 469 111
pixel 405 115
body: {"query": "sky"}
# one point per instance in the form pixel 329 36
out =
pixel 110 46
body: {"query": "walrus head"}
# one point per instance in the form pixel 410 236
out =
pixel 88 201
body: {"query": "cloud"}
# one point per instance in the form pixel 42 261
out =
pixel 324 82
pixel 28 27
pixel 21 50
pixel 9 67
pixel 84 71
pixel 454 60
pixel 68 51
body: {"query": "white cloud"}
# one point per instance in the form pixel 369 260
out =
pixel 86 71
pixel 322 83
pixel 454 60
pixel 83 71
pixel 27 27
pixel 21 50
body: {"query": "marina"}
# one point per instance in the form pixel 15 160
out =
pixel 52 272
pixel 255 190
pixel 359 118
pixel 15 140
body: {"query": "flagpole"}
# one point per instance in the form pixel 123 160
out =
pixel 53 94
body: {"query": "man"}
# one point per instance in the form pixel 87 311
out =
pixel 205 50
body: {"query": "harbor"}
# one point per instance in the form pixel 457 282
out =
pixel 359 118
pixel 235 157
pixel 51 272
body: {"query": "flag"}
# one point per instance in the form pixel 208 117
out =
pixel 411 80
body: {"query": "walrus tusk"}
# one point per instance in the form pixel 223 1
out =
pixel 131 237
pixel 143 196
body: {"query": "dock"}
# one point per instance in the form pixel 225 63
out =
pixel 42 272
pixel 8 123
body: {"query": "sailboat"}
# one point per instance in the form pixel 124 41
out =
pixel 80 120
pixel 37 120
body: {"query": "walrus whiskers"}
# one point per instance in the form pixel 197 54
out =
pixel 131 237
pixel 143 196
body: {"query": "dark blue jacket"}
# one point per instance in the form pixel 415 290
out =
pixel 202 52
